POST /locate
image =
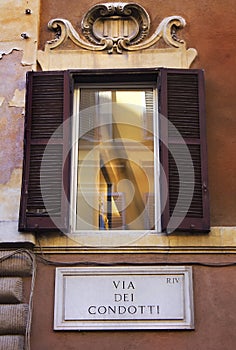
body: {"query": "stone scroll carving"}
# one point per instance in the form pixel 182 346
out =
pixel 116 27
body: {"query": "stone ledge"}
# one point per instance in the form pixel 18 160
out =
pixel 220 240
pixel 11 290
pixel 17 264
pixel 13 318
pixel 11 342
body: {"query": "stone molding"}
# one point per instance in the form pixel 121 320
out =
pixel 12 342
pixel 114 27
pixel 122 28
pixel 11 290
pixel 13 318
pixel 14 265
pixel 15 310
pixel 219 240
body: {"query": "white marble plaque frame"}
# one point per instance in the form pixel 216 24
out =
pixel 119 298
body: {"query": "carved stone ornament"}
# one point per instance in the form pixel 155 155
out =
pixel 117 27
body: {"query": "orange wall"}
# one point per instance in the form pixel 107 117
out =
pixel 214 301
pixel 211 30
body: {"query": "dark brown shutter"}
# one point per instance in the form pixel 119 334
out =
pixel 45 185
pixel 185 203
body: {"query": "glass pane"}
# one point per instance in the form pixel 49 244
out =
pixel 115 177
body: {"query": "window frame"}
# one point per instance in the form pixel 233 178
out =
pixel 71 77
pixel 74 153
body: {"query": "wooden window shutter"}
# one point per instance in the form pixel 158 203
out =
pixel 45 185
pixel 183 150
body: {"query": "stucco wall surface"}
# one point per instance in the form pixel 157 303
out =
pixel 211 30
pixel 214 308
pixel 17 56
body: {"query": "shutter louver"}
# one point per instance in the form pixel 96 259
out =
pixel 47 106
pixel 148 121
pixel 45 189
pixel 51 171
pixel 88 124
pixel 195 209
pixel 183 151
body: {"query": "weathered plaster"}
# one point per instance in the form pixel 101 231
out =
pixel 1 100
pixel 17 56
pixel 15 22
pixel 11 119
pixel 10 197
pixel 18 99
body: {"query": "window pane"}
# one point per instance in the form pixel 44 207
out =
pixel 115 175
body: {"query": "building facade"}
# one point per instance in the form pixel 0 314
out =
pixel 107 109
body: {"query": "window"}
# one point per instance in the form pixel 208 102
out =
pixel 111 189
pixel 115 150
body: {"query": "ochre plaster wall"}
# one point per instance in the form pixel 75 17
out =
pixel 12 127
pixel 17 56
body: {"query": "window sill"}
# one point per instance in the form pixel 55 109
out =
pixel 219 240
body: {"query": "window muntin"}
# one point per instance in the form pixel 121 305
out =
pixel 115 162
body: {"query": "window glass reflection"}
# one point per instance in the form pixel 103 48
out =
pixel 115 175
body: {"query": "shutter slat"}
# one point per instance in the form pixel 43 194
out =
pixel 47 106
pixel 50 177
pixel 195 207
pixel 88 123
pixel 183 104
